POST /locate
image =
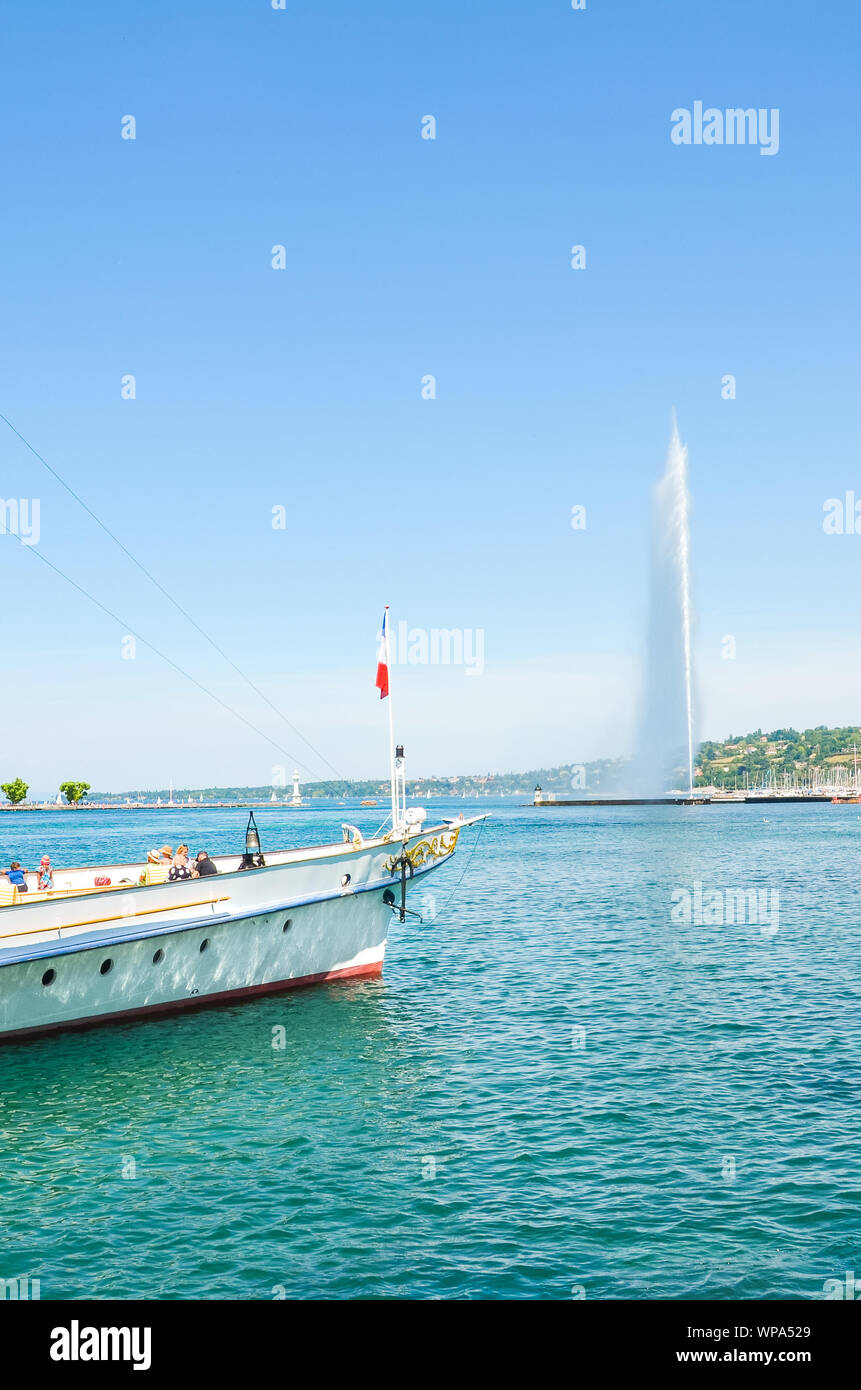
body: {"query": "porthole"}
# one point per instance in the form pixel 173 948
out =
pixel 106 966
pixel 389 898
pixel 287 925
pixel 346 879
pixel 158 957
pixel 49 977
pixel 204 945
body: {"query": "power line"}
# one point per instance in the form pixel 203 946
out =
pixel 115 618
pixel 177 605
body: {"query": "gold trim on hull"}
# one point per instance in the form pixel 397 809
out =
pixel 439 847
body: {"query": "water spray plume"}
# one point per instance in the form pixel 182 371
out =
pixel 667 731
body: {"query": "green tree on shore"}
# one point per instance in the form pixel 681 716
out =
pixel 74 792
pixel 16 791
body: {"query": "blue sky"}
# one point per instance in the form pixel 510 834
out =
pixel 405 257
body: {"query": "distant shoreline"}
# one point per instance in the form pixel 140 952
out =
pixel 319 803
pixel 166 806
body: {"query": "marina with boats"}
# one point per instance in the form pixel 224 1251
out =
pixel 709 797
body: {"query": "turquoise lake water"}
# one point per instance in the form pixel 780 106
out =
pixel 554 1091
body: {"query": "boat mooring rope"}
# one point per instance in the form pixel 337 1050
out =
pixel 430 922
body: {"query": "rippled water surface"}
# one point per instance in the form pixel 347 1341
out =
pixel 555 1089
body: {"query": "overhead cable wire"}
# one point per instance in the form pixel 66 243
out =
pixel 162 655
pixel 177 605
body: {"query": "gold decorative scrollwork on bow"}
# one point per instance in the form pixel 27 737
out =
pixel 436 848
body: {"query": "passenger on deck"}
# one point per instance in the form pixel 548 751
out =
pixel 46 874
pixel 180 867
pixel 156 870
pixel 203 865
pixel 17 876
pixel 166 854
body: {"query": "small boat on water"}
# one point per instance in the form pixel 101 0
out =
pixel 102 946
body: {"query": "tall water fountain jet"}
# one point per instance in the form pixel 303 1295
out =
pixel 666 742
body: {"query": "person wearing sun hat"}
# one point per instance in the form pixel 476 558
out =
pixel 156 868
pixel 46 874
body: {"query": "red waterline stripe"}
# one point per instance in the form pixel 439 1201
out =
pixel 351 972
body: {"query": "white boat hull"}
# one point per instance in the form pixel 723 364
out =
pixel 100 956
pixel 242 957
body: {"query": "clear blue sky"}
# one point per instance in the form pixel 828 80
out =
pixel 405 256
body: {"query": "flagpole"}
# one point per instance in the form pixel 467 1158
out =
pixel 391 729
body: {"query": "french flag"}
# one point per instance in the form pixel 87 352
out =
pixel 382 681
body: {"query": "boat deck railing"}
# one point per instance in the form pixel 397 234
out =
pixel 59 929
pixel 11 896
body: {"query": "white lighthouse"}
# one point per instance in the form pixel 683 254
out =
pixel 296 798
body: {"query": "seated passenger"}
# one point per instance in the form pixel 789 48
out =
pixel 203 865
pixel 17 876
pixel 156 870
pixel 180 868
